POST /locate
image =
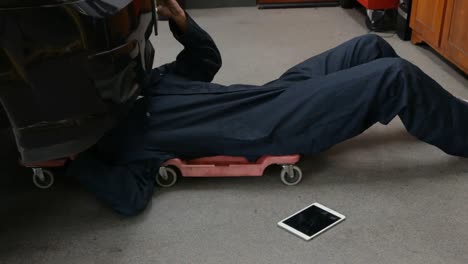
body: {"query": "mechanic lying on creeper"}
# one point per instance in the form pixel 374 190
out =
pixel 323 101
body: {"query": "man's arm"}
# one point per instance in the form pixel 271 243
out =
pixel 200 60
pixel 127 189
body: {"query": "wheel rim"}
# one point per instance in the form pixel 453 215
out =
pixel 292 178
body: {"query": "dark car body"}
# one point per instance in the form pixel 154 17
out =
pixel 69 69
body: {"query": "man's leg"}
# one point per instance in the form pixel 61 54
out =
pixel 357 51
pixel 314 115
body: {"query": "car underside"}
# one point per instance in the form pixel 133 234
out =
pixel 70 69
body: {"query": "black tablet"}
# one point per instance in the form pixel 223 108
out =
pixel 311 221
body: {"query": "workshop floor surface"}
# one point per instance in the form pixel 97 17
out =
pixel 405 201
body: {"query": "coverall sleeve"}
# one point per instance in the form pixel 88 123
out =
pixel 127 189
pixel 200 60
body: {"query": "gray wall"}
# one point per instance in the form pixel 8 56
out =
pixel 218 3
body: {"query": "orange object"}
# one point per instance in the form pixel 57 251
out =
pixel 227 166
pixel 48 164
pixel 379 4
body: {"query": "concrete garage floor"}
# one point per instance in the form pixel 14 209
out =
pixel 405 201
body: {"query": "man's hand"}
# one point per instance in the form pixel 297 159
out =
pixel 172 10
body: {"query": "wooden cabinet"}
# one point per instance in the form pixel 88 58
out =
pixel 428 17
pixel 443 24
pixel 455 33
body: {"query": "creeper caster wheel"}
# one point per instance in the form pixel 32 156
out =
pixel 166 177
pixel 291 175
pixel 43 179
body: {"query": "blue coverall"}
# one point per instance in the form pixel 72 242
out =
pixel 313 106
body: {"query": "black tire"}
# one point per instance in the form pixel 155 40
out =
pixel 347 3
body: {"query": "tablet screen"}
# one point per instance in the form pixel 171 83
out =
pixel 312 220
